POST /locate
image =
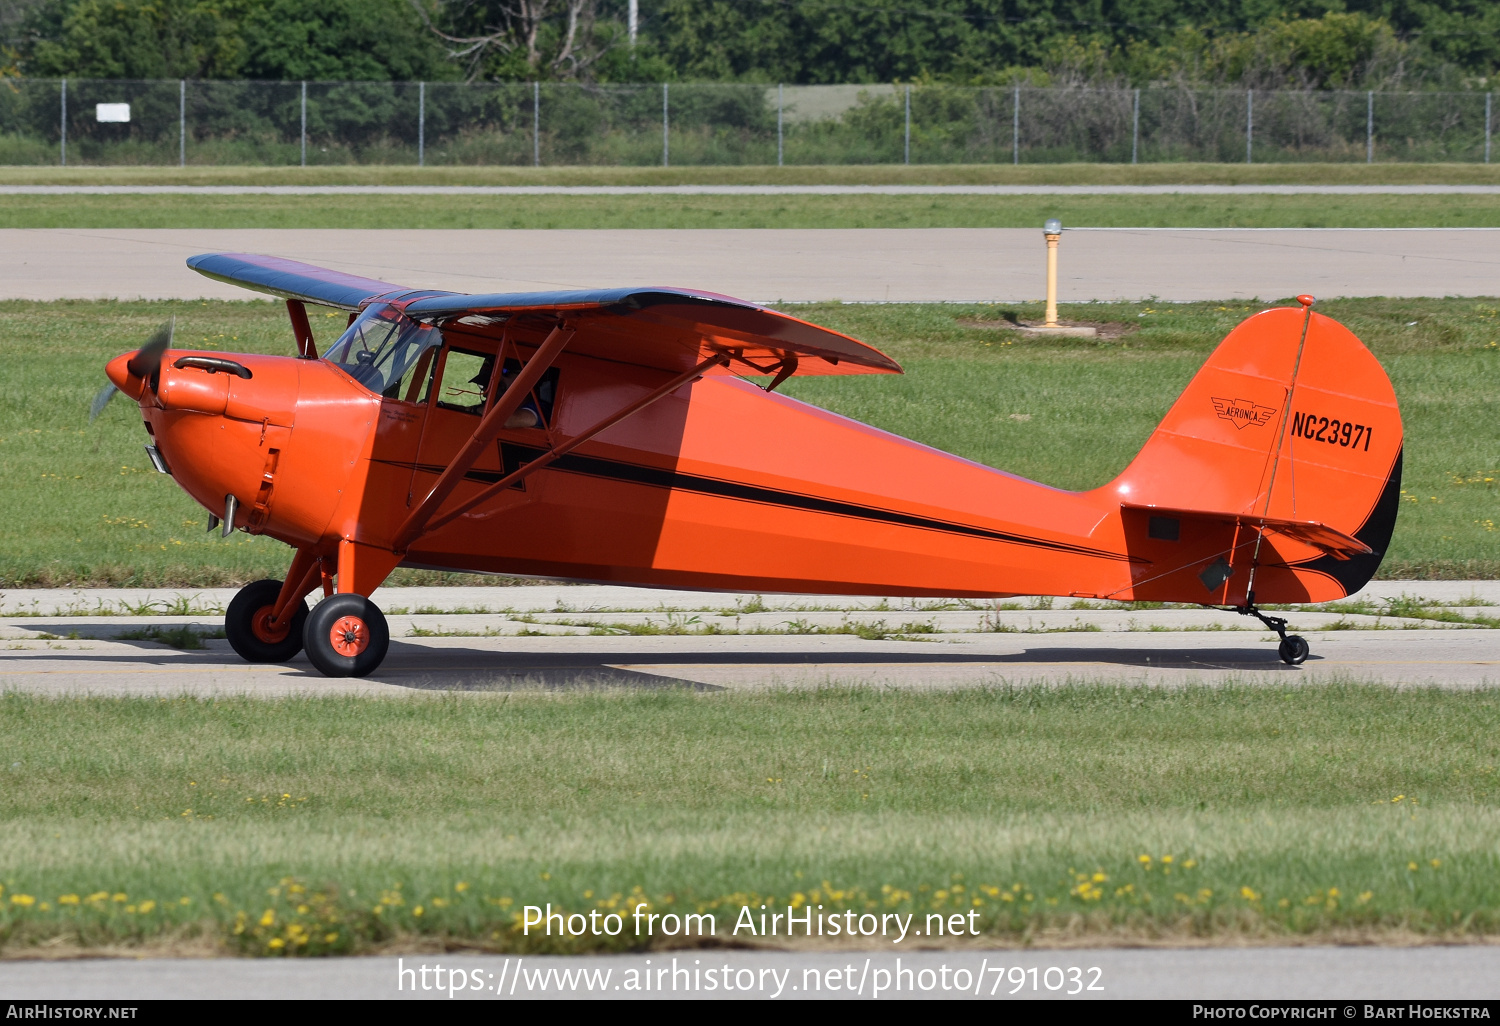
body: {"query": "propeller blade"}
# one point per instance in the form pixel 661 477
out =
pixel 147 360
pixel 101 400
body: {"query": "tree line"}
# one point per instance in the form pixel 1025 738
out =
pixel 1319 44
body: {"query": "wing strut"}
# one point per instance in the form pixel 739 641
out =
pixel 558 451
pixel 488 429
pixel 297 311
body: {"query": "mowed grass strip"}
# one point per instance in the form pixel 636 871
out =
pixel 80 504
pixel 791 211
pixel 1185 173
pixel 319 825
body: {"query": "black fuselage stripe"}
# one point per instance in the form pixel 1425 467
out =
pixel 657 477
pixel 633 473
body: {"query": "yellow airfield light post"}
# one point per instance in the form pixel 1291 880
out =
pixel 1052 230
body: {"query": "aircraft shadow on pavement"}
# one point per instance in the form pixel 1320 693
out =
pixel 421 667
pixel 413 666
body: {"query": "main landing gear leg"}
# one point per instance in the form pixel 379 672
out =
pixel 1293 648
pixel 346 635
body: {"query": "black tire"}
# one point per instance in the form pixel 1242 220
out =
pixel 244 624
pixel 1293 649
pixel 346 636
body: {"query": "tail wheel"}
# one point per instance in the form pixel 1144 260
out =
pixel 1293 649
pixel 346 636
pixel 248 626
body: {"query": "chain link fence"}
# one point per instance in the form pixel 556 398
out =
pixel 98 122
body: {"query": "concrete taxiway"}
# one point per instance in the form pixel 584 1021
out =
pixel 793 265
pixel 562 637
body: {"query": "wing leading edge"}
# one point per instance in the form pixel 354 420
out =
pixel 662 327
pixel 292 279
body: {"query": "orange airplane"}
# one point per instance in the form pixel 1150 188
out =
pixel 616 436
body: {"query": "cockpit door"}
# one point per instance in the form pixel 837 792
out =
pixel 470 375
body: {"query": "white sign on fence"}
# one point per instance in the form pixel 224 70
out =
pixel 116 112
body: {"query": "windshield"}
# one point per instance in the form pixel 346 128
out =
pixel 383 347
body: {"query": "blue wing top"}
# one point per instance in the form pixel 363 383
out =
pixel 665 327
pixel 291 279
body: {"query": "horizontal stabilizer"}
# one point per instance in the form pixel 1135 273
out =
pixel 1309 532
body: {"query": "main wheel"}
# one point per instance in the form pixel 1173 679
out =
pixel 1293 649
pixel 346 636
pixel 247 624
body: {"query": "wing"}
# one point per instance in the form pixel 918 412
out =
pixel 673 329
pixel 665 328
pixel 291 279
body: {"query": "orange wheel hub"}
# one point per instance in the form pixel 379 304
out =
pixel 349 636
pixel 264 630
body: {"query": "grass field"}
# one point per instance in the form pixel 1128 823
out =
pixel 332 825
pixel 581 212
pixel 79 504
pixel 846 174
pixel 755 211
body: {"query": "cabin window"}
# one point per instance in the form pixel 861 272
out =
pixel 388 353
pixel 466 380
pixel 536 409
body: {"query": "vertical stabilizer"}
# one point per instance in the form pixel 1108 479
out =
pixel 1290 419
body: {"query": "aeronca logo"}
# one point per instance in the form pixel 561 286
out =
pixel 1243 413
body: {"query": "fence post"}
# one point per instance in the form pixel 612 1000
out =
pixel 780 105
pixel 304 124
pixel 1015 127
pixel 63 122
pixel 1249 124
pixel 665 144
pixel 908 123
pixel 1370 127
pixel 1135 127
pixel 182 122
pixel 1487 98
pixel 421 124
pixel 536 124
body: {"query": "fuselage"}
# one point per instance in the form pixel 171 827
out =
pixel 719 486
